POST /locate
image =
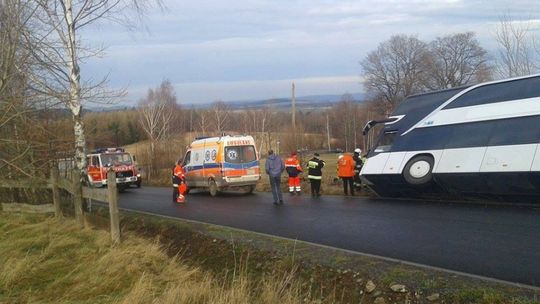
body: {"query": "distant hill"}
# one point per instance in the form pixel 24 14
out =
pixel 302 102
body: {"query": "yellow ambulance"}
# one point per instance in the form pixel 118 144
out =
pixel 222 163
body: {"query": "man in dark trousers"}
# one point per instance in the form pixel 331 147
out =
pixel 274 167
pixel 358 163
pixel 315 166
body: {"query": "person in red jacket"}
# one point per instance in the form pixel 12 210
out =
pixel 292 165
pixel 179 183
pixel 346 166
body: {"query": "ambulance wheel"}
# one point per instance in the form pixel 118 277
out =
pixel 213 188
pixel 250 189
pixel 418 171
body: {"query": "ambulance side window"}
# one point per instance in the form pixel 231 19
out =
pixel 249 153
pixel 187 159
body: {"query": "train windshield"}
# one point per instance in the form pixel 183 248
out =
pixel 385 142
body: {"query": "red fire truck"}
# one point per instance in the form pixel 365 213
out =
pixel 119 160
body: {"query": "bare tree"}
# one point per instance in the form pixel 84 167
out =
pixel 516 48
pixel 203 121
pixel 221 111
pixel 456 60
pixel 393 70
pixel 156 113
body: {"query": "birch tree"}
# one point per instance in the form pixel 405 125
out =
pixel 203 121
pixel 221 112
pixel 60 51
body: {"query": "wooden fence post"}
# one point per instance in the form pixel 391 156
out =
pixel 55 192
pixel 77 197
pixel 113 206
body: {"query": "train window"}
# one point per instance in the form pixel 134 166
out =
pixel 515 131
pixel 470 135
pixel 385 142
pixel 504 91
pixel 427 138
pixel 425 103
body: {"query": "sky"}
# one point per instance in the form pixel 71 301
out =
pixel 254 49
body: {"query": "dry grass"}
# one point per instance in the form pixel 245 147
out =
pixel 43 260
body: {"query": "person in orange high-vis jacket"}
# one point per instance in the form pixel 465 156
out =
pixel 292 165
pixel 179 184
pixel 346 172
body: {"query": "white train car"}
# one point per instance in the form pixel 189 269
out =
pixel 481 140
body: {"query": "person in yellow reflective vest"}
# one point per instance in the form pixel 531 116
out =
pixel 315 166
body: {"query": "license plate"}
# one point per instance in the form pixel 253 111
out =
pixel 123 179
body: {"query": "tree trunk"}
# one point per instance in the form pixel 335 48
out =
pixel 77 197
pixel 75 106
pixel 74 103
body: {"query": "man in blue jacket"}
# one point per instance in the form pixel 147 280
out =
pixel 274 168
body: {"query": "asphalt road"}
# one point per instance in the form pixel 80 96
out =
pixel 501 242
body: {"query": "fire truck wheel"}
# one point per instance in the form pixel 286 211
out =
pixel 213 188
pixel 138 184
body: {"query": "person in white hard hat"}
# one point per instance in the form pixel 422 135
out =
pixel 358 163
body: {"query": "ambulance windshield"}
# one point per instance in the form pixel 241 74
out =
pixel 240 154
pixel 116 159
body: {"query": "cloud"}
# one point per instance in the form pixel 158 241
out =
pixel 213 48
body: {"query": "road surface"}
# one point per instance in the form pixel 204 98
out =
pixel 501 242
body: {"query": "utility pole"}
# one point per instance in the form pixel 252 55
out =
pixel 293 101
pixel 354 125
pixel 328 131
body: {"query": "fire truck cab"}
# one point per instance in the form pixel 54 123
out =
pixel 119 160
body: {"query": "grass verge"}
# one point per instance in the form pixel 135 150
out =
pixel 324 275
pixel 43 260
